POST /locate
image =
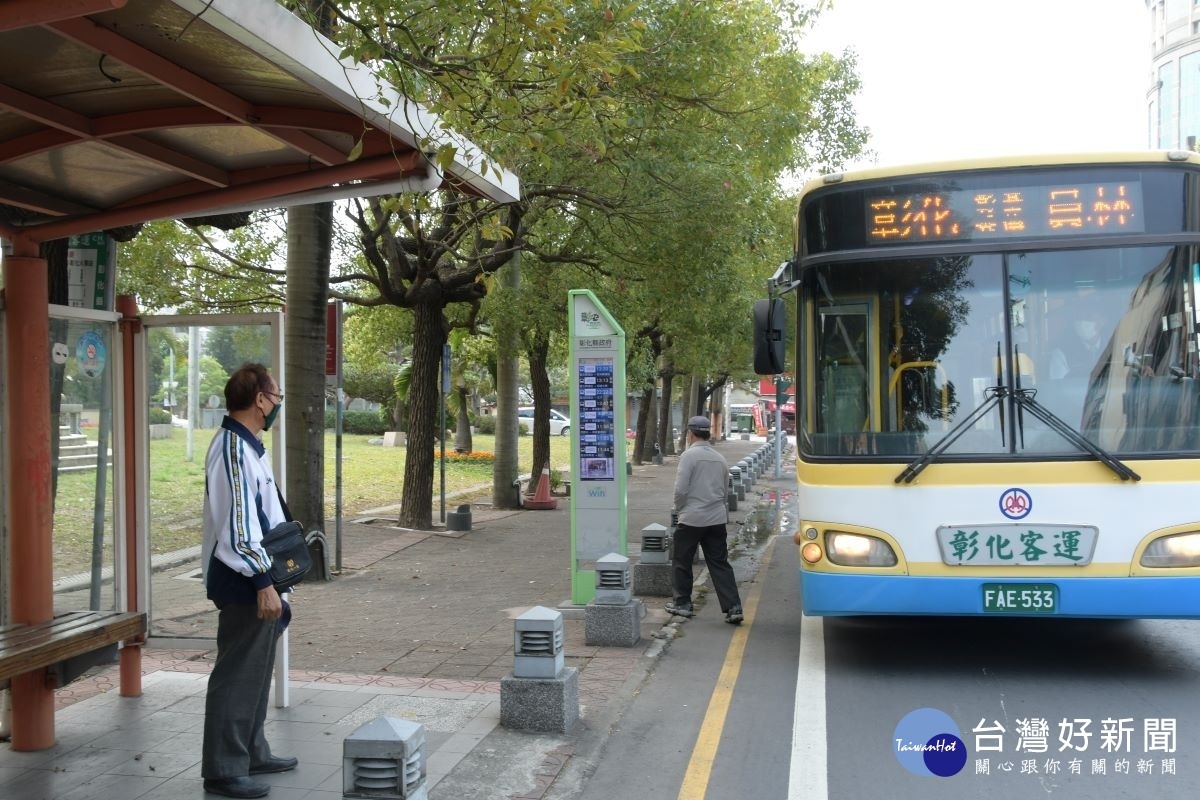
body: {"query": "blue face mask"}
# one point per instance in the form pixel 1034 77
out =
pixel 270 420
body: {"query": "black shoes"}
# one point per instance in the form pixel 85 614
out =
pixel 680 609
pixel 275 764
pixel 236 787
pixel 245 787
pixel 733 616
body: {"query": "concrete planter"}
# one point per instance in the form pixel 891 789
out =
pixel 161 430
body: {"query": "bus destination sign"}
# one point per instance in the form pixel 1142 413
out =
pixel 1017 212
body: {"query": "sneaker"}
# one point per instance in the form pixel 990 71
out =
pixel 680 609
pixel 734 615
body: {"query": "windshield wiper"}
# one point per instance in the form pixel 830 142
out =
pixel 1026 399
pixel 994 395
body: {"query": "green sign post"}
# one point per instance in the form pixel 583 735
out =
pixel 598 501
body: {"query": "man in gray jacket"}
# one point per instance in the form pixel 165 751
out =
pixel 700 504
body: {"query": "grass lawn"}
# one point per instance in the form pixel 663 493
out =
pixel 372 477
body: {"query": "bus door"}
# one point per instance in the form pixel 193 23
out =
pixel 847 363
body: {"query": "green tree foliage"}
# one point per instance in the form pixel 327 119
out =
pixel 375 349
pixel 376 385
pixel 649 138
pixel 197 269
pixel 233 346
pixel 213 378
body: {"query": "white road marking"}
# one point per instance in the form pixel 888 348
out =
pixel 809 774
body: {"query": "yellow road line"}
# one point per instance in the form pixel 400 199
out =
pixel 695 780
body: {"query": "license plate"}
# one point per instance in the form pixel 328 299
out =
pixel 1020 598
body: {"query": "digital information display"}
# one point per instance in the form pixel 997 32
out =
pixel 597 435
pixel 1031 210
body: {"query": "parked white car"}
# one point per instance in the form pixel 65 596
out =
pixel 560 424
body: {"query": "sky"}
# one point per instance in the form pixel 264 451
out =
pixel 946 79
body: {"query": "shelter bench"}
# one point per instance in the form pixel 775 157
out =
pixel 70 644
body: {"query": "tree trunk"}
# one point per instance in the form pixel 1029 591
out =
pixel 651 424
pixel 709 401
pixel 641 436
pixel 416 509
pixel 690 409
pixel 309 238
pixel 508 345
pixel 462 427
pixel 538 353
pixel 718 407
pixel 665 440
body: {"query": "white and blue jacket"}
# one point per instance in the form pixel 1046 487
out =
pixel 241 503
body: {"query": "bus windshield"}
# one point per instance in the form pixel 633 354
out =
pixel 901 350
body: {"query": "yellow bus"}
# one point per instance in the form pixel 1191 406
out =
pixel 998 409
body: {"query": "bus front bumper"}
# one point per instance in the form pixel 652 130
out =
pixel 842 594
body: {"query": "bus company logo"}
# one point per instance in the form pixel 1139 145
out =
pixel 1016 503
pixel 927 742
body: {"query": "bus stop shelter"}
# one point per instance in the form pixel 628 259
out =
pixel 116 112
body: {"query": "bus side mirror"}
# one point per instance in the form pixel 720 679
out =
pixel 769 317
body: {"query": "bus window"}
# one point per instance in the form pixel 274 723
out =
pixel 903 349
pixel 1107 340
pixel 1113 338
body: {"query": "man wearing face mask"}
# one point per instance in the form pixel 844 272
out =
pixel 241 503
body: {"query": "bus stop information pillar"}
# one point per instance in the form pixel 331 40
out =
pixel 598 499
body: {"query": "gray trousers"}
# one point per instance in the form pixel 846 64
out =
pixel 239 689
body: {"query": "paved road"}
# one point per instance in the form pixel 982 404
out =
pixel 996 678
pixel 813 706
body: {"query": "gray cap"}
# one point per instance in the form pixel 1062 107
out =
pixel 699 424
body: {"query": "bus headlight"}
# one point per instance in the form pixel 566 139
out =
pixel 857 550
pixel 1179 550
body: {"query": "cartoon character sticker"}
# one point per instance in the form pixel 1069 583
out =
pixel 59 353
pixel 91 354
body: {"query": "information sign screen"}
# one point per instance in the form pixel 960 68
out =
pixel 597 432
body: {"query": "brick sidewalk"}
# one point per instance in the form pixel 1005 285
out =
pixel 431 613
pixel 422 604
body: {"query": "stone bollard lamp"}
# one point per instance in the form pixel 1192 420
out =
pixel 538 644
pixel 385 759
pixel 613 587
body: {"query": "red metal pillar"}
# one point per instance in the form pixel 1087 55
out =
pixel 131 653
pixel 27 332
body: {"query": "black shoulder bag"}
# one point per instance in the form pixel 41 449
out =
pixel 285 544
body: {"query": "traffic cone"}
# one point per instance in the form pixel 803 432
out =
pixel 541 500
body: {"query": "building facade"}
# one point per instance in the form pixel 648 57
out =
pixel 1173 102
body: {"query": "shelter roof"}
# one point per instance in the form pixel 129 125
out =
pixel 114 112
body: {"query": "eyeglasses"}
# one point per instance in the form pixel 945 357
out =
pixel 278 397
